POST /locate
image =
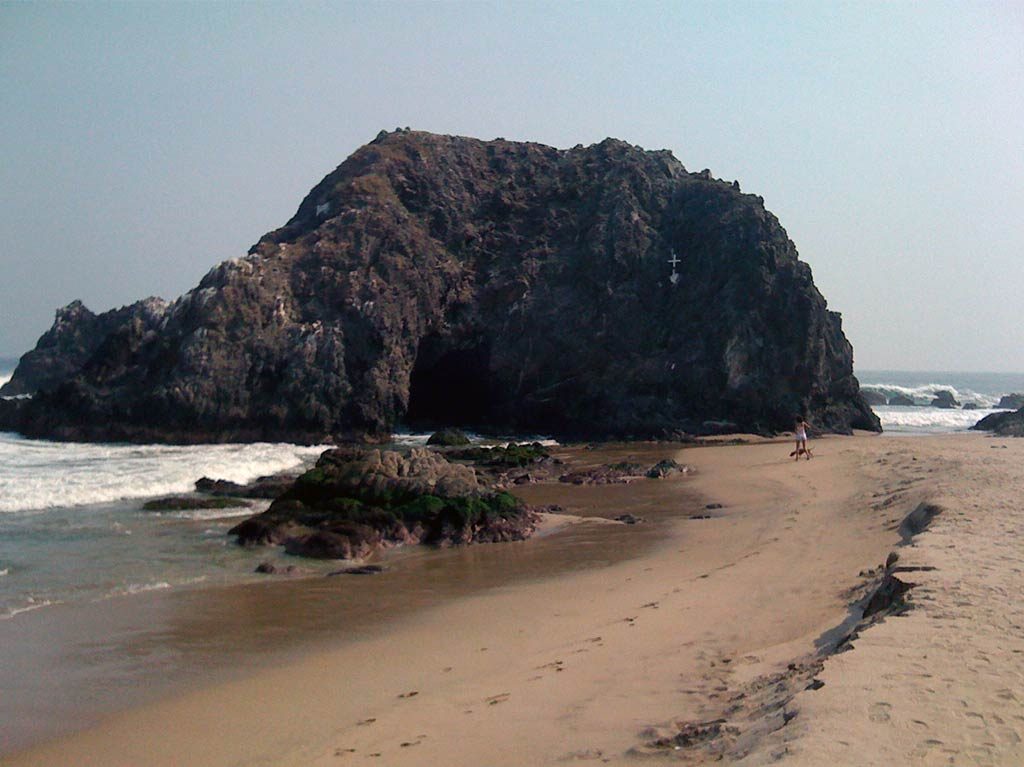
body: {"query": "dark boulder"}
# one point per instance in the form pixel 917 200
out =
pixel 945 400
pixel 1011 401
pixel 629 519
pixel 269 568
pixel 262 487
pixel 901 400
pixel 191 502
pixel 507 286
pixel 873 397
pixel 448 438
pixel 971 406
pixel 665 468
pixel 1005 424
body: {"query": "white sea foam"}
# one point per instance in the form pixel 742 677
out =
pixel 410 439
pixel 130 589
pixel 36 474
pixel 28 606
pixel 4 378
pixel 929 419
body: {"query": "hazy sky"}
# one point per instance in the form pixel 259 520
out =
pixel 140 144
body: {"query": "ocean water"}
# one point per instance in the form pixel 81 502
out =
pixel 983 389
pixel 72 527
pixel 73 530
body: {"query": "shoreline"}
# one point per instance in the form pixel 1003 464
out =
pixel 205 634
pixel 605 664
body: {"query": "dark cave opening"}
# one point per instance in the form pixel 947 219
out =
pixel 449 385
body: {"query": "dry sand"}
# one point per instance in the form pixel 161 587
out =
pixel 721 624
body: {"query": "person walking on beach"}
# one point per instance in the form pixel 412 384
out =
pixel 801 439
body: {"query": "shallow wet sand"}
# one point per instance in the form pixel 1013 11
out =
pixel 694 646
pixel 68 666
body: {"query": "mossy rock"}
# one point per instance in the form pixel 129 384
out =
pixel 663 468
pixel 628 468
pixel 354 502
pixel 448 438
pixel 511 455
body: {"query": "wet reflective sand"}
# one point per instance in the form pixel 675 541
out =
pixel 64 667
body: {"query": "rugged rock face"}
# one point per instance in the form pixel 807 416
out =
pixel 76 335
pixel 445 280
pixel 356 502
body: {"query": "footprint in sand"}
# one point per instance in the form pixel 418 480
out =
pixel 411 694
pixel 582 755
pixel 879 712
pixel 499 698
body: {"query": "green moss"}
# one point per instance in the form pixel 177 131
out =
pixel 448 437
pixel 511 455
pixel 183 503
pixel 627 467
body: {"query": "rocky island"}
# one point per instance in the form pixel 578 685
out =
pixel 356 502
pixel 596 292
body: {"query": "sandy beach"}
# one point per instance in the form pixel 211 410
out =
pixel 701 647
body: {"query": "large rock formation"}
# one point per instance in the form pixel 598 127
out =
pixel 439 279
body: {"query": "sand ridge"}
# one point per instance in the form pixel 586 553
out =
pixel 944 683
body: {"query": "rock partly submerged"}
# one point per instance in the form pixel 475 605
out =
pixel 1005 424
pixel 598 291
pixel 356 502
pixel 873 397
pixel 1013 401
pixel 943 398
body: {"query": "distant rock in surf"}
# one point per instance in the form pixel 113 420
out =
pixel 944 399
pixel 591 292
pixel 1006 424
pixel 901 400
pixel 873 397
pixel 1011 401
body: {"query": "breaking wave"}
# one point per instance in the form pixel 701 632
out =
pixel 37 474
pixel 928 420
pixel 924 394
